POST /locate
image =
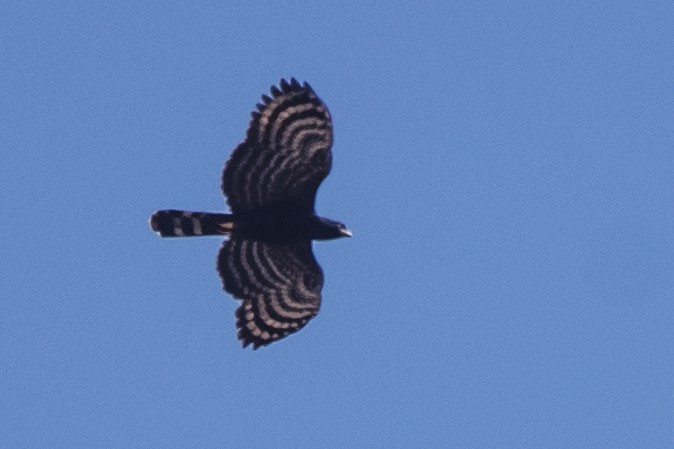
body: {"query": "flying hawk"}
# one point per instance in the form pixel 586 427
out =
pixel 270 182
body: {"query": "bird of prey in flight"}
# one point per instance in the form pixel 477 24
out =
pixel 270 182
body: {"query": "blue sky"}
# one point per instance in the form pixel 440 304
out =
pixel 506 169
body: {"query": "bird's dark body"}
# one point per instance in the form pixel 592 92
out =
pixel 280 228
pixel 270 182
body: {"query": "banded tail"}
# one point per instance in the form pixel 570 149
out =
pixel 181 223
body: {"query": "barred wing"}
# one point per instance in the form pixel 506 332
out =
pixel 285 155
pixel 280 285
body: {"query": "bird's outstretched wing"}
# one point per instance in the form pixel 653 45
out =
pixel 286 153
pixel 279 285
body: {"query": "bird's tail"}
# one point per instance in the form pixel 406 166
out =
pixel 181 223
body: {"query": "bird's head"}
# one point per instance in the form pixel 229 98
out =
pixel 330 229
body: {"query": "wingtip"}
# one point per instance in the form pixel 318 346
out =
pixel 288 85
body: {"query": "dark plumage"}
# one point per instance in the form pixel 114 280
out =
pixel 270 182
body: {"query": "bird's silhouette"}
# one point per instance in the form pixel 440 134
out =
pixel 270 182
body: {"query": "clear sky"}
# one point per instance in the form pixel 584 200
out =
pixel 507 169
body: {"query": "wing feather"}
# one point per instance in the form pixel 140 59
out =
pixel 286 153
pixel 279 285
